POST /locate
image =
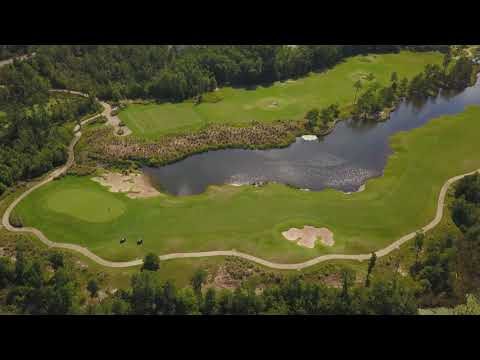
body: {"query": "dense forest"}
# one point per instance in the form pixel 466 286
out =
pixel 34 139
pixel 176 73
pixel 11 51
pixel 49 284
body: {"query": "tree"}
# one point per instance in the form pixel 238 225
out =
pixel 187 303
pixel 199 277
pixel 403 87
pixel 371 265
pixel 329 114
pixel 357 86
pixel 56 259
pixel 144 292
pixel 447 59
pixel 394 81
pixel 210 302
pixel 312 117
pixel 7 272
pixel 92 287
pixel 471 307
pixel 348 279
pixel 151 262
pixel 166 299
pixel 418 243
pixel 394 77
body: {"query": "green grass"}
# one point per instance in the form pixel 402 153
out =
pixel 294 99
pixel 78 203
pixel 251 219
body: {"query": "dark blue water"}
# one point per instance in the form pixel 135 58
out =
pixel 344 159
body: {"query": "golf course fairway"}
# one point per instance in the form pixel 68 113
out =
pixel 250 219
pixel 280 101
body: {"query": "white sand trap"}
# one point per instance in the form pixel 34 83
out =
pixel 273 104
pixel 308 235
pixel 310 137
pixel 136 185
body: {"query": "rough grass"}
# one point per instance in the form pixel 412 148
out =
pixel 281 101
pixel 251 219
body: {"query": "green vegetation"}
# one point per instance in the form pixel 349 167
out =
pixel 34 139
pixel 288 101
pixel 251 109
pixel 51 283
pixel 377 101
pixel 78 203
pixel 209 222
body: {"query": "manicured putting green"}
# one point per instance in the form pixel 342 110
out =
pixel 250 219
pixel 86 205
pixel 287 100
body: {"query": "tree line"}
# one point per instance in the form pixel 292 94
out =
pixel 11 51
pixel 446 266
pixel 50 285
pixel 34 139
pixel 452 75
pixel 173 73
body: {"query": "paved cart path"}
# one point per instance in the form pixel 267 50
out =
pixel 298 266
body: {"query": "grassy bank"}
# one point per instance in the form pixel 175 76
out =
pixel 281 101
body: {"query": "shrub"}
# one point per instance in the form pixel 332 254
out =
pixel 151 262
pixel 16 220
pixel 56 259
pixel 81 170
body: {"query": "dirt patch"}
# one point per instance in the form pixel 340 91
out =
pixel 223 280
pixel 333 280
pixel 308 236
pixel 136 185
pixel 113 120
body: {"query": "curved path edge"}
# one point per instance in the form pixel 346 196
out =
pixel 298 266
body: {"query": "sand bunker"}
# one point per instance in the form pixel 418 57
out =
pixel 136 185
pixel 273 104
pixel 308 235
pixel 309 137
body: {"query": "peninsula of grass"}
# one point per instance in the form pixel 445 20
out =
pixel 250 219
pixel 289 100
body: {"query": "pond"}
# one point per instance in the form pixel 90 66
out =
pixel 343 160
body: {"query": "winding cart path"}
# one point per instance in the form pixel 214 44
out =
pixel 298 266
